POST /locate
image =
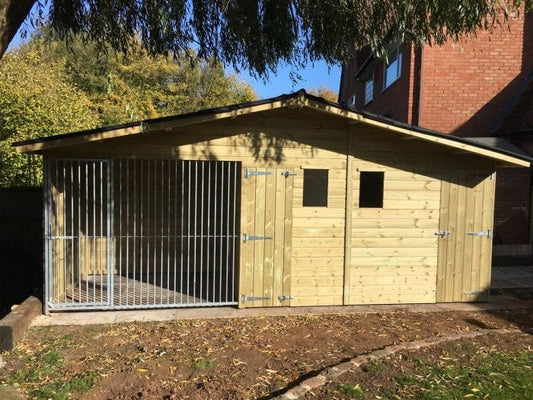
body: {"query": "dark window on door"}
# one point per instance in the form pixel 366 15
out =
pixel 315 188
pixel 371 189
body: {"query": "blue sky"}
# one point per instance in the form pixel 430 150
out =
pixel 315 75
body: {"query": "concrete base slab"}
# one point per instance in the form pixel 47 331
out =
pixel 111 317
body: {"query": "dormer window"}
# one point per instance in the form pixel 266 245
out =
pixel 393 69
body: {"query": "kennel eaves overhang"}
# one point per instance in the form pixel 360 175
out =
pixel 503 155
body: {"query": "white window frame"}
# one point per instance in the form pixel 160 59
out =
pixel 392 68
pixel 369 90
pixel 352 101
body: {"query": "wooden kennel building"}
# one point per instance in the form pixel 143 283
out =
pixel 291 201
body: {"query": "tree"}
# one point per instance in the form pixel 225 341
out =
pixel 135 86
pixel 35 101
pixel 325 92
pixel 47 87
pixel 258 34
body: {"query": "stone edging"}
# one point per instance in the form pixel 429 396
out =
pixel 330 373
pixel 14 324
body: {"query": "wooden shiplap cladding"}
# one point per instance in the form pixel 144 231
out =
pixel 465 248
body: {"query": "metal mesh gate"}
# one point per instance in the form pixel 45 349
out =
pixel 141 233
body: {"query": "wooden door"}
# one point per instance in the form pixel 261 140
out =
pixel 266 229
pixel 465 243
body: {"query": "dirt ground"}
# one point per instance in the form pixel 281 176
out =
pixel 223 358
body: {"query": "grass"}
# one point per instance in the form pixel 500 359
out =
pixel 200 363
pixel 487 375
pixel 62 390
pixel 352 391
pixel 46 367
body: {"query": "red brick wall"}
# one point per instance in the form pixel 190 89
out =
pixel 401 108
pixel 401 91
pixel 466 86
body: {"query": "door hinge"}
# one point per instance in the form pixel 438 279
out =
pixel 245 298
pixel 286 174
pixel 443 234
pixel 284 297
pixel 476 293
pixel 486 233
pixel 248 173
pixel 247 238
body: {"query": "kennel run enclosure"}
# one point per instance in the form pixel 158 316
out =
pixel 129 233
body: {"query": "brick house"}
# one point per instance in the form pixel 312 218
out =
pixel 481 86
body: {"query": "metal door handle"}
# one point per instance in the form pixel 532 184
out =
pixel 442 234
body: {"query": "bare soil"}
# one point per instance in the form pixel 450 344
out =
pixel 223 358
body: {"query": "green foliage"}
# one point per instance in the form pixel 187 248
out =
pixel 257 35
pixel 50 88
pixel 135 86
pixel 35 101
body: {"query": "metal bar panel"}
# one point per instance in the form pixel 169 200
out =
pixel 57 267
pixel 162 232
pixel 234 231
pixel 136 213
pixel 94 264
pixel 148 215
pixel 188 227
pixel 154 234
pixel 169 219
pixel 120 233
pixel 63 295
pixel 202 199
pixel 175 241
pixel 208 244
pixel 86 263
pixel 110 231
pixel 221 235
pixel 71 234
pixel 215 193
pixel 127 225
pixel 228 229
pixel 141 229
pixel 150 233
pixel 195 225
pixel 101 232
pixel 79 228
pixel 47 233
pixel 181 229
